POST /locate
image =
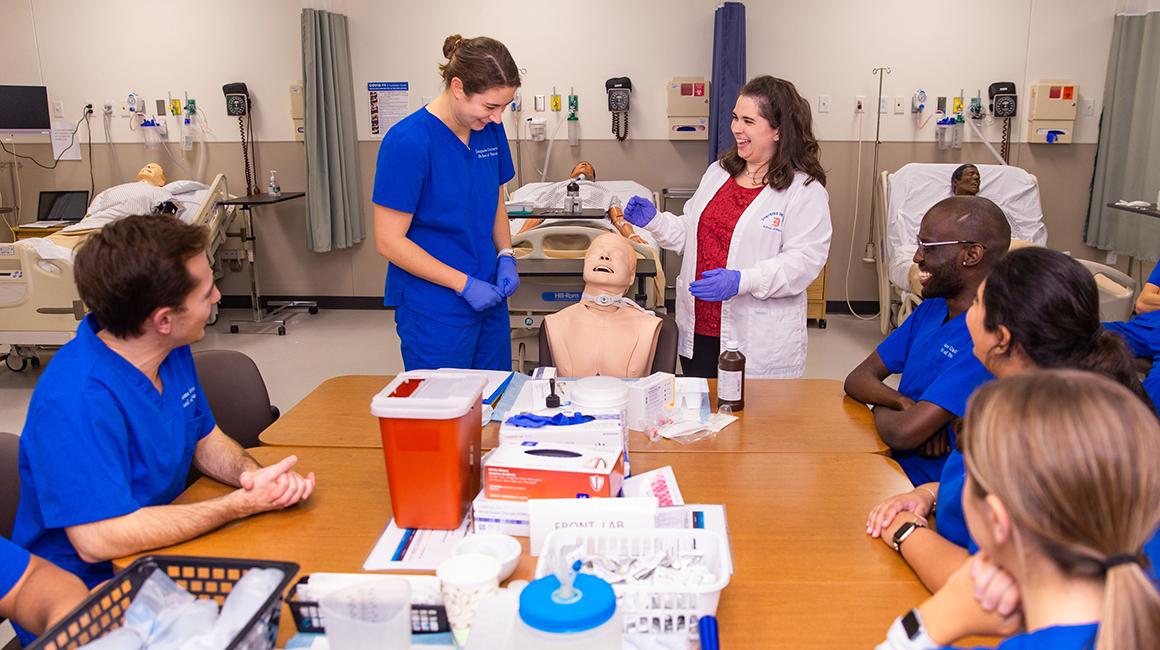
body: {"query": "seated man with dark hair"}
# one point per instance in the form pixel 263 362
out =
pixel 119 415
pixel 960 239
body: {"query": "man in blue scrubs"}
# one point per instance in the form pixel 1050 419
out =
pixel 119 415
pixel 440 218
pixel 960 239
pixel 34 593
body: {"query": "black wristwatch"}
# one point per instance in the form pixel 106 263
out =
pixel 903 532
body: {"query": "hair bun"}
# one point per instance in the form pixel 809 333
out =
pixel 450 44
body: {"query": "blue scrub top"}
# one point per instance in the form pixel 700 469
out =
pixel 452 191
pixel 1059 637
pixel 950 521
pixel 13 563
pixel 101 442
pixel 938 365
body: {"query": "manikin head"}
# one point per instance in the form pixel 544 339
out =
pixel 609 265
pixel 583 167
pixel 153 174
pixel 965 180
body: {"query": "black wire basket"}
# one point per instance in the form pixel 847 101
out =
pixel 204 577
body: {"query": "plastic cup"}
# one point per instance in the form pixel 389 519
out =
pixel 368 616
pixel 464 581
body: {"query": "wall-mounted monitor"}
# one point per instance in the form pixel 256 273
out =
pixel 24 110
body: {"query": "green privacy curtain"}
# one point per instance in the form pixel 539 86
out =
pixel 334 199
pixel 1128 155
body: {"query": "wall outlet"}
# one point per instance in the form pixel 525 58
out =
pixel 58 109
pixel 540 103
pixel 823 103
pixel 859 103
pixel 107 108
pixel 124 109
pixel 899 105
pixel 883 104
pixel 1087 106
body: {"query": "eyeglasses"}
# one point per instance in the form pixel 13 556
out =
pixel 923 246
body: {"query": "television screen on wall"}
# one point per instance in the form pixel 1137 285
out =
pixel 24 109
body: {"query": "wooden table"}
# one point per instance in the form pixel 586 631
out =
pixel 805 575
pixel 781 415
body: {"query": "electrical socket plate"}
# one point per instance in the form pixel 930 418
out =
pixel 58 109
pixel 859 103
pixel 884 105
pixel 540 103
pixel 1087 106
pixel 124 109
pixel 823 103
pixel 107 107
pixel 899 105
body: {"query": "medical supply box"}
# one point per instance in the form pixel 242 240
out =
pixel 500 516
pixel 647 399
pixel 430 425
pixel 604 430
pixel 534 470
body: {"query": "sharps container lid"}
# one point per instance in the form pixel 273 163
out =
pixel 595 605
pixel 417 396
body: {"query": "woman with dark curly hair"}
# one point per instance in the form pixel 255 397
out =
pixel 754 236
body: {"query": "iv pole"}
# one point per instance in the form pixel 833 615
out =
pixel 877 143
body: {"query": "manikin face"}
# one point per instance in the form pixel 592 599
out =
pixel 609 265
pixel 583 167
pixel 152 174
pixel 968 183
pixel 940 267
pixel 475 111
pixel 756 138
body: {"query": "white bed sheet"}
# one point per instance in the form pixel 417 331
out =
pixel 595 194
pixel 916 187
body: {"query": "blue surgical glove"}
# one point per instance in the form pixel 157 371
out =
pixel 507 278
pixel 639 211
pixel 481 295
pixel 716 285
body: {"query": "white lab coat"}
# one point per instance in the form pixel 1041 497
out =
pixel 780 245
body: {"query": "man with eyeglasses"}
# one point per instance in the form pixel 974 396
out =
pixel 960 239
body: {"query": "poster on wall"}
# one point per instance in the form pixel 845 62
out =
pixel 389 103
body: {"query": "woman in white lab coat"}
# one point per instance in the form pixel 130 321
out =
pixel 754 235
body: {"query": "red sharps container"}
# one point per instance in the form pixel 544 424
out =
pixel 431 426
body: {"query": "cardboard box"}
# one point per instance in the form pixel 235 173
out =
pixel 534 470
pixel 495 516
pixel 647 398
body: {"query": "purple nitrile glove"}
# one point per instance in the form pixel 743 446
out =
pixel 507 278
pixel 639 211
pixel 716 285
pixel 481 295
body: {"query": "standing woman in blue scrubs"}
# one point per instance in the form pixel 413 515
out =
pixel 440 218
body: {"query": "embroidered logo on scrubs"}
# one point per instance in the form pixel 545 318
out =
pixel 188 396
pixel 490 152
pixel 949 351
pixel 772 221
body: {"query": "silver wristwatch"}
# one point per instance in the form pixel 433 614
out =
pixel 904 531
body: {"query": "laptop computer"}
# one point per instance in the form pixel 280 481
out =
pixel 62 205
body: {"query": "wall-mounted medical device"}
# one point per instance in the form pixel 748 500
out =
pixel 1051 119
pixel 618 90
pixel 1004 100
pixel 688 108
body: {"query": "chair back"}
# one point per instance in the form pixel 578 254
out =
pixel 1117 291
pixel 236 394
pixel 9 481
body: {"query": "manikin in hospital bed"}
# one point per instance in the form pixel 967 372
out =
pixel 903 198
pixel 39 304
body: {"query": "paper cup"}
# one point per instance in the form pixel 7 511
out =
pixel 464 581
pixel 368 616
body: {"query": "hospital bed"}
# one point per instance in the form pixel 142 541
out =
pixel 551 275
pixel 904 196
pixel 39 305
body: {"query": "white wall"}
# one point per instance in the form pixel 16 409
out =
pixel 97 51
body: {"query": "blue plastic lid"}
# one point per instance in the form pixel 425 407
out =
pixel 596 604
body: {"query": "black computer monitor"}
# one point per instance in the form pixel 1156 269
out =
pixel 62 205
pixel 24 109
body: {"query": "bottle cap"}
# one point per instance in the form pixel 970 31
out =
pixel 732 345
pixel 595 604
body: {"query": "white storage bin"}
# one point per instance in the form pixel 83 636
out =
pixel 650 608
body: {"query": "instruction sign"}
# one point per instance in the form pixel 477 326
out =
pixel 389 103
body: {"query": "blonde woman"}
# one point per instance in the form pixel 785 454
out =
pixel 1062 492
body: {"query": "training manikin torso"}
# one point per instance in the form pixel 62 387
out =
pixel 604 334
